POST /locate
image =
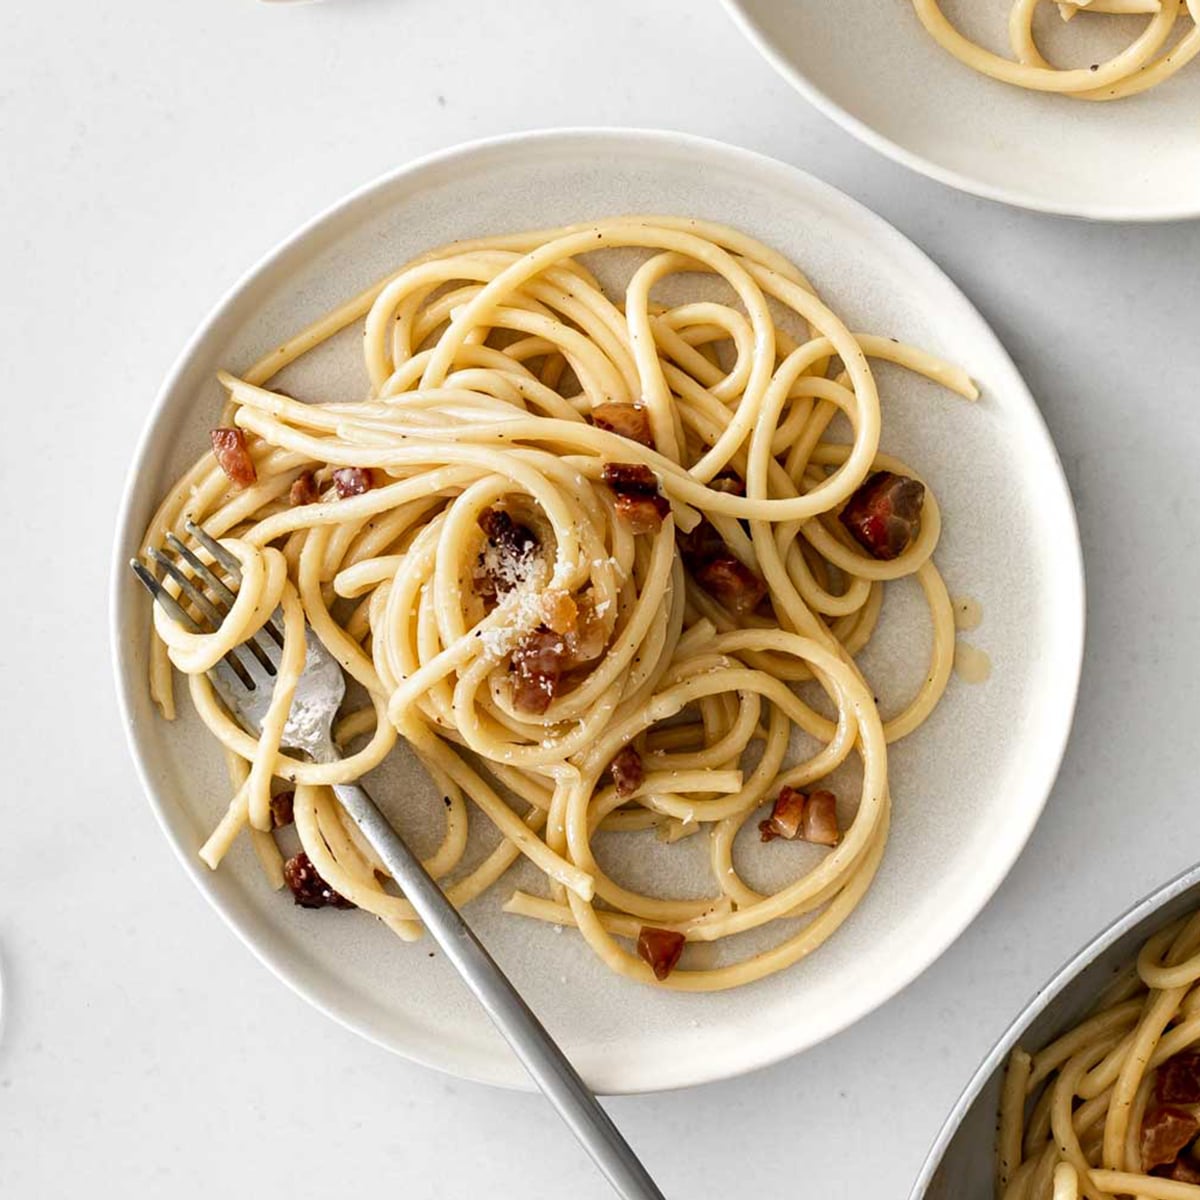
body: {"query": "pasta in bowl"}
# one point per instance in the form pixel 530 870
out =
pixel 1093 1090
pixel 1110 1106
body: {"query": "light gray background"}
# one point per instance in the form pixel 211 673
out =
pixel 151 152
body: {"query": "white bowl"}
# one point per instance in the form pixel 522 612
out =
pixel 967 788
pixel 871 67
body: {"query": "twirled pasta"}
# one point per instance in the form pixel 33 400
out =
pixel 1149 60
pixel 490 366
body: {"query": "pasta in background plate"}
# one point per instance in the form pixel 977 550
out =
pixel 1158 53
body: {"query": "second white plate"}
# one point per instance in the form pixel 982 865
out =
pixel 873 69
pixel 967 787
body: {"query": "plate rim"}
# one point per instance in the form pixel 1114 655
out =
pixel 766 46
pixel 121 598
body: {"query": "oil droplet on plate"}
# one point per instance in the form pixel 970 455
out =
pixel 971 664
pixel 968 612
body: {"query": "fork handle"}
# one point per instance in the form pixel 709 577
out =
pixel 546 1063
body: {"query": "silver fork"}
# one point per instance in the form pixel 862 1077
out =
pixel 244 680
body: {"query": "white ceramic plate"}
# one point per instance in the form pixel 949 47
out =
pixel 968 788
pixel 871 66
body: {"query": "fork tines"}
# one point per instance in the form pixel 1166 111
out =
pixel 211 596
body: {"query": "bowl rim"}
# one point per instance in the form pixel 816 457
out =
pixel 1141 910
pixel 1016 197
pixel 121 597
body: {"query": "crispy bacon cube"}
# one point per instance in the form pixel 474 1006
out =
pixel 718 572
pixel 506 534
pixel 809 817
pixel 643 514
pixel 352 481
pixel 303 490
pixel 1165 1131
pixel 883 515
pixel 629 420
pixel 282 809
pixel 229 449
pixel 661 948
pixel 627 771
pixel 509 552
pixel 732 583
pixel 1178 1080
pixel 631 478
pixel 638 502
pixel 821 820
pixel 1182 1170
pixel 309 890
pixel 700 546
pixel 787 816
pixel 537 667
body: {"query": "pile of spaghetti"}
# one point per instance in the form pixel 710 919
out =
pixel 1158 52
pixel 598 562
pixel 1112 1108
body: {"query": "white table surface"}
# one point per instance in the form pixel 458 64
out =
pixel 152 150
